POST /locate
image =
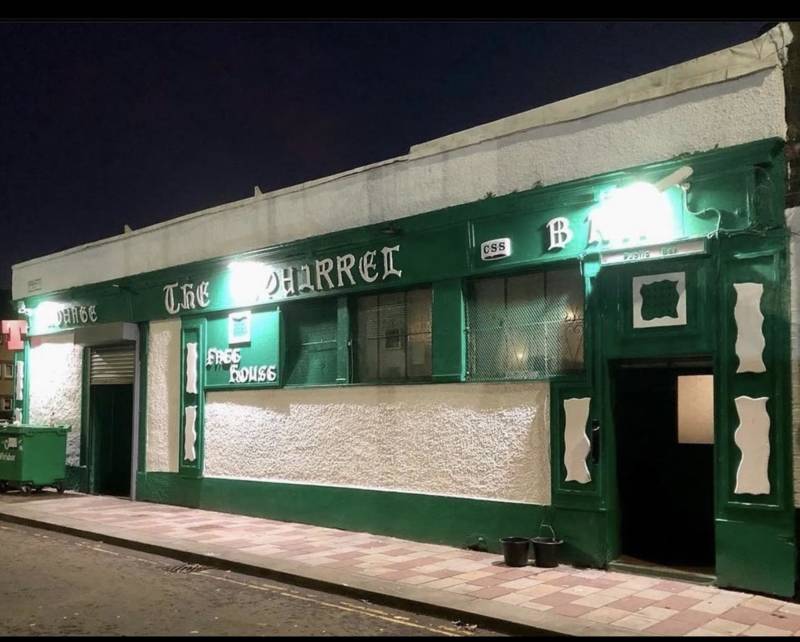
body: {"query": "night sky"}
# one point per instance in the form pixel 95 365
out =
pixel 106 124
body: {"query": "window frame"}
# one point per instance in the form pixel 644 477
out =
pixel 469 282
pixel 353 304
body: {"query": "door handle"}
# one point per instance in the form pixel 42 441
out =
pixel 595 441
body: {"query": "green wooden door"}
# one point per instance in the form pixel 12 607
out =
pixel 111 412
pixel 754 526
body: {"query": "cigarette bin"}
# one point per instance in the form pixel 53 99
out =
pixel 32 457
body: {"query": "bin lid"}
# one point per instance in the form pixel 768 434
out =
pixel 30 429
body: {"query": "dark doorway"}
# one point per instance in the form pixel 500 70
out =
pixel 665 463
pixel 111 416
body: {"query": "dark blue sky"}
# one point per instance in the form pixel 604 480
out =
pixel 103 124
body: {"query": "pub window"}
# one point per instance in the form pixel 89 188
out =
pixel 528 326
pixel 311 342
pixel 6 404
pixel 393 337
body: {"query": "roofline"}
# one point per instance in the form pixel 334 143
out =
pixel 766 51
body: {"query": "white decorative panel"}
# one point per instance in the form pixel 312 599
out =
pixel 679 278
pixel 190 434
pixel 17 415
pixel 749 320
pixel 752 438
pixel 19 379
pixel 191 368
pixel 576 443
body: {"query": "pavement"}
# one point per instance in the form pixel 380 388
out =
pixel 414 575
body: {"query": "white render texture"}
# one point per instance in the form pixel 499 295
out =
pixel 726 98
pixel 163 395
pixel 793 223
pixel 488 441
pixel 55 375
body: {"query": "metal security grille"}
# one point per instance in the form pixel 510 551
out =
pixel 525 327
pixel 311 342
pixel 112 365
pixel 393 336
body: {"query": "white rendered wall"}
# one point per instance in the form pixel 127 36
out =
pixel 746 108
pixel 488 441
pixel 163 396
pixel 793 223
pixel 54 384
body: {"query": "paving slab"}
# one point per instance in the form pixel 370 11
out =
pixel 425 577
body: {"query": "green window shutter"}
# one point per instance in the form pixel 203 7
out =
pixel 311 346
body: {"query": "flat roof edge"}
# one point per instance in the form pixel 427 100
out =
pixel 752 56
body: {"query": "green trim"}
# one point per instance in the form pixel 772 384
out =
pixel 144 339
pixel 452 521
pixel 448 340
pixel 193 329
pixel 343 341
pixel 22 405
pixel 77 479
pixel 444 244
pixel 85 394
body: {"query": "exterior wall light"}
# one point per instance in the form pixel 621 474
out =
pixel 247 281
pixel 637 213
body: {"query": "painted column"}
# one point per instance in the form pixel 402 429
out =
pixel 192 397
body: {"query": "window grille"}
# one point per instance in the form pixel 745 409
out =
pixel 393 336
pixel 525 327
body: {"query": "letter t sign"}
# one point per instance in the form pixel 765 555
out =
pixel 14 331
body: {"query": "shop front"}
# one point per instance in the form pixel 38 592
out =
pixel 608 356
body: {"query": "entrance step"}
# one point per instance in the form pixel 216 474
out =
pixel 637 567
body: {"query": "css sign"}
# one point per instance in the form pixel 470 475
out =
pixel 495 249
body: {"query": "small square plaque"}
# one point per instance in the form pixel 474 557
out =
pixel 239 327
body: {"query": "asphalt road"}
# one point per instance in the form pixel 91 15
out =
pixel 55 584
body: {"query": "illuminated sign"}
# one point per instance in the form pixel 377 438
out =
pixel 654 252
pixel 254 282
pixel 189 296
pixel 76 314
pixel 13 330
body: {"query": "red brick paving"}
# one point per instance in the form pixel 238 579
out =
pixel 482 576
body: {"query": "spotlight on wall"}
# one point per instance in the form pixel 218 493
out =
pixel 248 281
pixel 639 212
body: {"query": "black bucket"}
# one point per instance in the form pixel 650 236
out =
pixel 515 550
pixel 545 549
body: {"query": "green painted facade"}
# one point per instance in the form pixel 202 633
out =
pixel 731 218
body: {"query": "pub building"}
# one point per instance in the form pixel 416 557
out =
pixel 581 316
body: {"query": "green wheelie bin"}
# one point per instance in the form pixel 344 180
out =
pixel 32 457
